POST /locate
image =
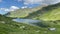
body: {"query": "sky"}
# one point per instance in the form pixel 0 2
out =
pixel 12 5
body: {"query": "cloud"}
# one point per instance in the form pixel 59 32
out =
pixel 41 1
pixel 12 8
pixel 51 1
pixel 32 1
pixel 5 9
pixel 24 7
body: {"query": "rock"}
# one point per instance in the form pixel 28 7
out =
pixel 2 21
pixel 45 31
pixel 52 29
pixel 22 26
pixel 38 31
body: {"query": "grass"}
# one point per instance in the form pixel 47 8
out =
pixel 11 27
pixel 50 14
pixel 23 12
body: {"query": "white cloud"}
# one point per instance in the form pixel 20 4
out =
pixel 24 7
pixel 51 1
pixel 12 8
pixel 41 1
pixel 6 10
pixel 32 1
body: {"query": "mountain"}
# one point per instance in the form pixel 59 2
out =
pixel 23 12
pixel 50 12
pixel 49 15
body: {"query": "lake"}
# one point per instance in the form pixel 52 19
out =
pixel 27 21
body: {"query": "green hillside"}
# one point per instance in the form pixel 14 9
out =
pixel 49 17
pixel 7 26
pixel 51 12
pixel 23 12
pixel 10 27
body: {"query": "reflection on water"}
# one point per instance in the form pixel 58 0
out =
pixel 29 21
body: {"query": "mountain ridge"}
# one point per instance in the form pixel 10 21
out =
pixel 49 10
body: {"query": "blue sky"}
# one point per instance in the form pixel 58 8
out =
pixel 8 3
pixel 11 5
pixel 20 3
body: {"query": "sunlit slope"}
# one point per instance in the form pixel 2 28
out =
pixel 23 12
pixel 53 15
pixel 7 26
pixel 51 12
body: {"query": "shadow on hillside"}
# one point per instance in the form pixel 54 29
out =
pixel 46 24
pixel 42 11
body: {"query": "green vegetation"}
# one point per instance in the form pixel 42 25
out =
pixel 51 12
pixel 7 26
pixel 23 12
pixel 49 17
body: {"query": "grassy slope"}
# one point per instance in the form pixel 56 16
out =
pixel 53 15
pixel 23 12
pixel 10 27
pixel 51 12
